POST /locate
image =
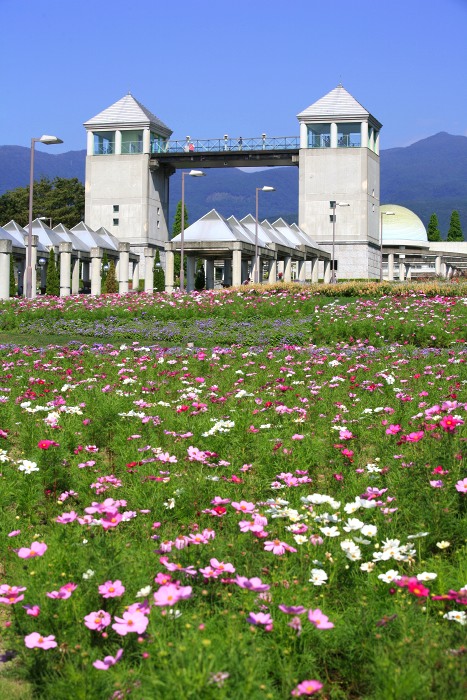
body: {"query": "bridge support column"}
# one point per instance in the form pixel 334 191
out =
pixel 65 268
pixel 190 272
pixel 314 270
pixel 401 270
pixel 209 273
pixel 288 269
pixel 301 265
pixel 438 261
pixel 390 267
pixel 272 271
pixel 149 255
pixel 96 264
pixel 227 272
pixel 5 253
pixel 169 271
pixel 135 276
pixel 327 272
pixel 123 267
pixel 237 268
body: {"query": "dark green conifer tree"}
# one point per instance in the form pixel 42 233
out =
pixel 455 230
pixel 111 284
pixel 159 276
pixel 52 280
pixel 12 277
pixel 433 232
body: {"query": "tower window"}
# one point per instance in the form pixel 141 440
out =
pixel 132 141
pixel 349 135
pixel 115 222
pixel 104 143
pixel 319 135
pixel 116 208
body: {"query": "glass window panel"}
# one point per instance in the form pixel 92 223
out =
pixel 319 135
pixel 132 141
pixel 349 135
pixel 104 142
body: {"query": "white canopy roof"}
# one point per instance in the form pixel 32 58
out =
pixel 130 114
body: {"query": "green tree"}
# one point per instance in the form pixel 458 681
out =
pixel 433 231
pixel 62 199
pixel 52 281
pixel 159 276
pixel 176 229
pixel 455 229
pixel 111 284
pixel 12 276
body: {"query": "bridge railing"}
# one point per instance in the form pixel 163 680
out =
pixel 227 144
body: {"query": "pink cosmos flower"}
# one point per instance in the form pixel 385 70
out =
pixel 162 579
pixel 97 620
pixel 277 547
pixel 252 584
pixel 260 618
pixel 437 483
pixel 37 641
pixel 345 434
pixel 297 436
pixel 14 533
pixel 221 567
pixel 450 423
pixel 66 517
pixel 415 437
pixel 33 610
pixel 108 661
pixel 130 622
pixel 461 486
pixel 64 592
pixel 11 594
pixel 112 589
pixel 292 609
pixel 393 429
pixel 45 444
pixel 170 594
pixel 307 688
pixel 320 621
pixel 243 506
pixel 37 549
pixel 111 519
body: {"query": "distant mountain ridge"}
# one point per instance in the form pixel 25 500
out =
pixel 429 176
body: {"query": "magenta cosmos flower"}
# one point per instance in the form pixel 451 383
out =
pixel 461 486
pixel 252 584
pixel 64 592
pixel 97 621
pixel 130 622
pixel 307 688
pixel 37 549
pixel 260 619
pixel 108 661
pixel 37 641
pixel 320 621
pixel 112 589
pixel 170 594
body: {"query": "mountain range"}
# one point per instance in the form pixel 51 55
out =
pixel 429 176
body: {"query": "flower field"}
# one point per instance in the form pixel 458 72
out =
pixel 235 495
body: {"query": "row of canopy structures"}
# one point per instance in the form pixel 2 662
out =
pixel 228 247
pixel 80 251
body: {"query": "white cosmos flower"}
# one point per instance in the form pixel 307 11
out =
pixel 144 592
pixel 300 539
pixel 443 544
pixel 369 530
pixel 89 573
pixel 330 531
pixel 426 576
pixel 367 566
pixel 351 507
pixel 353 524
pixel 318 577
pixel 27 466
pixel 389 576
pixel 457 616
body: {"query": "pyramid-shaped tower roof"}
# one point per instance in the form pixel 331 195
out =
pixel 128 113
pixel 337 104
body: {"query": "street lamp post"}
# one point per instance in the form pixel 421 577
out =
pixel 193 173
pixel 46 218
pixel 48 141
pixel 382 213
pixel 333 204
pixel 266 188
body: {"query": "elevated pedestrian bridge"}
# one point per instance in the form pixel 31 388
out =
pixel 226 152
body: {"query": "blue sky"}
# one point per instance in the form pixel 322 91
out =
pixel 214 67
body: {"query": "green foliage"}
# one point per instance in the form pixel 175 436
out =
pixel 62 199
pixel 176 229
pixel 158 274
pixel 200 279
pixel 433 232
pixel 52 283
pixel 13 289
pixel 104 268
pixel 455 229
pixel 111 285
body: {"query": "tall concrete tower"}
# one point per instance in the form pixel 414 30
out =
pixel 339 162
pixel 122 193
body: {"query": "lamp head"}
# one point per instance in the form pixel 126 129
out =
pixel 268 188
pixel 197 173
pixel 49 140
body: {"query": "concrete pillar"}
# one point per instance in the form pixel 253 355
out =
pixel 288 269
pixel 135 277
pixel 227 271
pixel 364 134
pixel 390 267
pixel 377 143
pixel 236 267
pixel 96 265
pixel 408 271
pixel 448 271
pixel 438 261
pixel 333 135
pixel 301 264
pixel 118 142
pixel 75 263
pixel 303 135
pixel 272 271
pixel 190 272
pixel 35 240
pixel 149 254
pixel 65 268
pixel 90 143
pixel 169 271
pixel 209 273
pixel 146 141
pixel 314 270
pixel 257 262
pixel 6 249
pixel 123 267
pixel 327 271
pixel 401 269
pixel 371 139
